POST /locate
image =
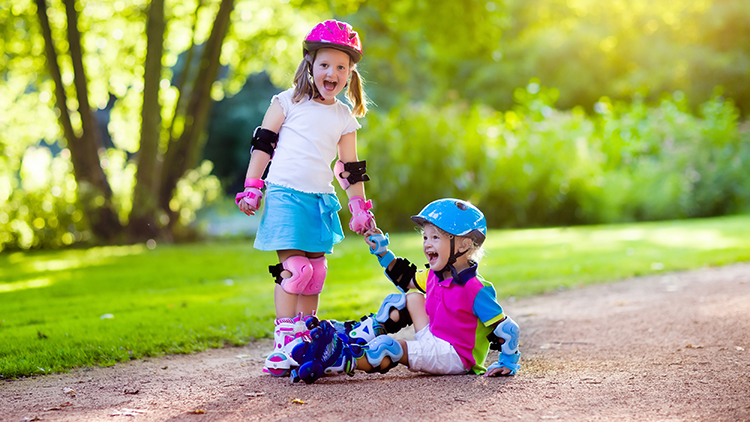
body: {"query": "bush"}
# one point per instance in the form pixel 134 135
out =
pixel 539 166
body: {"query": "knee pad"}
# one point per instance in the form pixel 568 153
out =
pixel 301 270
pixel 381 347
pixel 393 301
pixel 319 271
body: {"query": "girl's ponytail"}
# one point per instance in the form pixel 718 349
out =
pixel 303 87
pixel 356 94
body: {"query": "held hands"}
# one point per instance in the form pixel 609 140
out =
pixel 371 236
pixel 249 200
pixel 362 219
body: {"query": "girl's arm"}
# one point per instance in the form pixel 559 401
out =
pixel 348 154
pixel 362 218
pixel 259 159
pixel 272 121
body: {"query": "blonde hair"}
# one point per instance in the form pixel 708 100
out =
pixel 304 86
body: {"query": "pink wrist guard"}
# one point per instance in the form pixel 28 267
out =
pixel 254 183
pixel 362 218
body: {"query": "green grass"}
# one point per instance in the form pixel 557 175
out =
pixel 184 298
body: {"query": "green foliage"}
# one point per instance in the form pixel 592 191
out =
pixel 39 207
pixel 585 48
pixel 233 122
pixel 539 166
pixel 100 306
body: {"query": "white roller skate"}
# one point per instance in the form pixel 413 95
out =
pixel 287 333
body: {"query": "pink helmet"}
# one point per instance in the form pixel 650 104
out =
pixel 334 34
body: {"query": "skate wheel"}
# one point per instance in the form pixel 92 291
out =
pixel 277 372
pixel 277 364
pixel 316 333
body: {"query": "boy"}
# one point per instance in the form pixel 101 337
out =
pixel 457 319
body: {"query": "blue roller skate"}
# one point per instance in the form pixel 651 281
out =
pixel 325 352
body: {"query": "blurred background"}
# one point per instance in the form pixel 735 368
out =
pixel 130 120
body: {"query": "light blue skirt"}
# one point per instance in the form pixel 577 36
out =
pixel 298 220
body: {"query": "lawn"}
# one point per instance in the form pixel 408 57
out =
pixel 99 306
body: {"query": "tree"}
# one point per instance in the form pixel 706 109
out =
pixel 173 118
pixel 94 192
pixel 143 222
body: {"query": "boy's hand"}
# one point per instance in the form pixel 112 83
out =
pixel 370 232
pixel 498 370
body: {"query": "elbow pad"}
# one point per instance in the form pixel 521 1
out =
pixel 507 330
pixel 264 140
pixel 356 170
pixel 402 273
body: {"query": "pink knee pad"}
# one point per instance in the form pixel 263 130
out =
pixel 320 269
pixel 302 271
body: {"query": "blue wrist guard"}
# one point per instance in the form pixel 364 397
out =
pixel 508 361
pixel 381 240
pixel 386 259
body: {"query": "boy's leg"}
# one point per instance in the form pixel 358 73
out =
pixel 363 363
pixel 415 306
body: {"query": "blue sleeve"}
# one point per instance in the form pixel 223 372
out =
pixel 486 307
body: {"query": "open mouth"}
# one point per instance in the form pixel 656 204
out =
pixel 432 257
pixel 330 86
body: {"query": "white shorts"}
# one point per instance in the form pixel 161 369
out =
pixel 433 355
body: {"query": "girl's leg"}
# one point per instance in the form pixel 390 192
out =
pixel 278 362
pixel 308 304
pixel 286 303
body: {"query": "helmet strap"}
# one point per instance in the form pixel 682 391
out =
pixel 452 259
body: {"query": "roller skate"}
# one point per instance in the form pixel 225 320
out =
pixel 325 352
pixel 287 333
pixel 374 325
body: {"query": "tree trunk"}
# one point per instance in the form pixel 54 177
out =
pixel 143 224
pixel 94 192
pixel 181 155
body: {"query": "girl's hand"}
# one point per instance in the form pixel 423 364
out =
pixel 249 200
pixel 362 219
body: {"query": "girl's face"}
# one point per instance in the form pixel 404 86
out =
pixel 330 72
pixel 436 246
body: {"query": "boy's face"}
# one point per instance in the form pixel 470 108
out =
pixel 436 246
pixel 330 72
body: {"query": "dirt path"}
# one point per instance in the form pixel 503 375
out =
pixel 671 347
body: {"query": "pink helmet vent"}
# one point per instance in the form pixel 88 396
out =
pixel 334 34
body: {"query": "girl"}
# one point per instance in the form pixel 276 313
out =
pixel 304 129
pixel 456 321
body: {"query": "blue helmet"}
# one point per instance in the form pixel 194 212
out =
pixel 454 216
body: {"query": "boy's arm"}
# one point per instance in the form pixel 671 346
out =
pixel 400 271
pixel 505 339
pixel 505 332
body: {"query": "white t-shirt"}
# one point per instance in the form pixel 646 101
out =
pixel 308 142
